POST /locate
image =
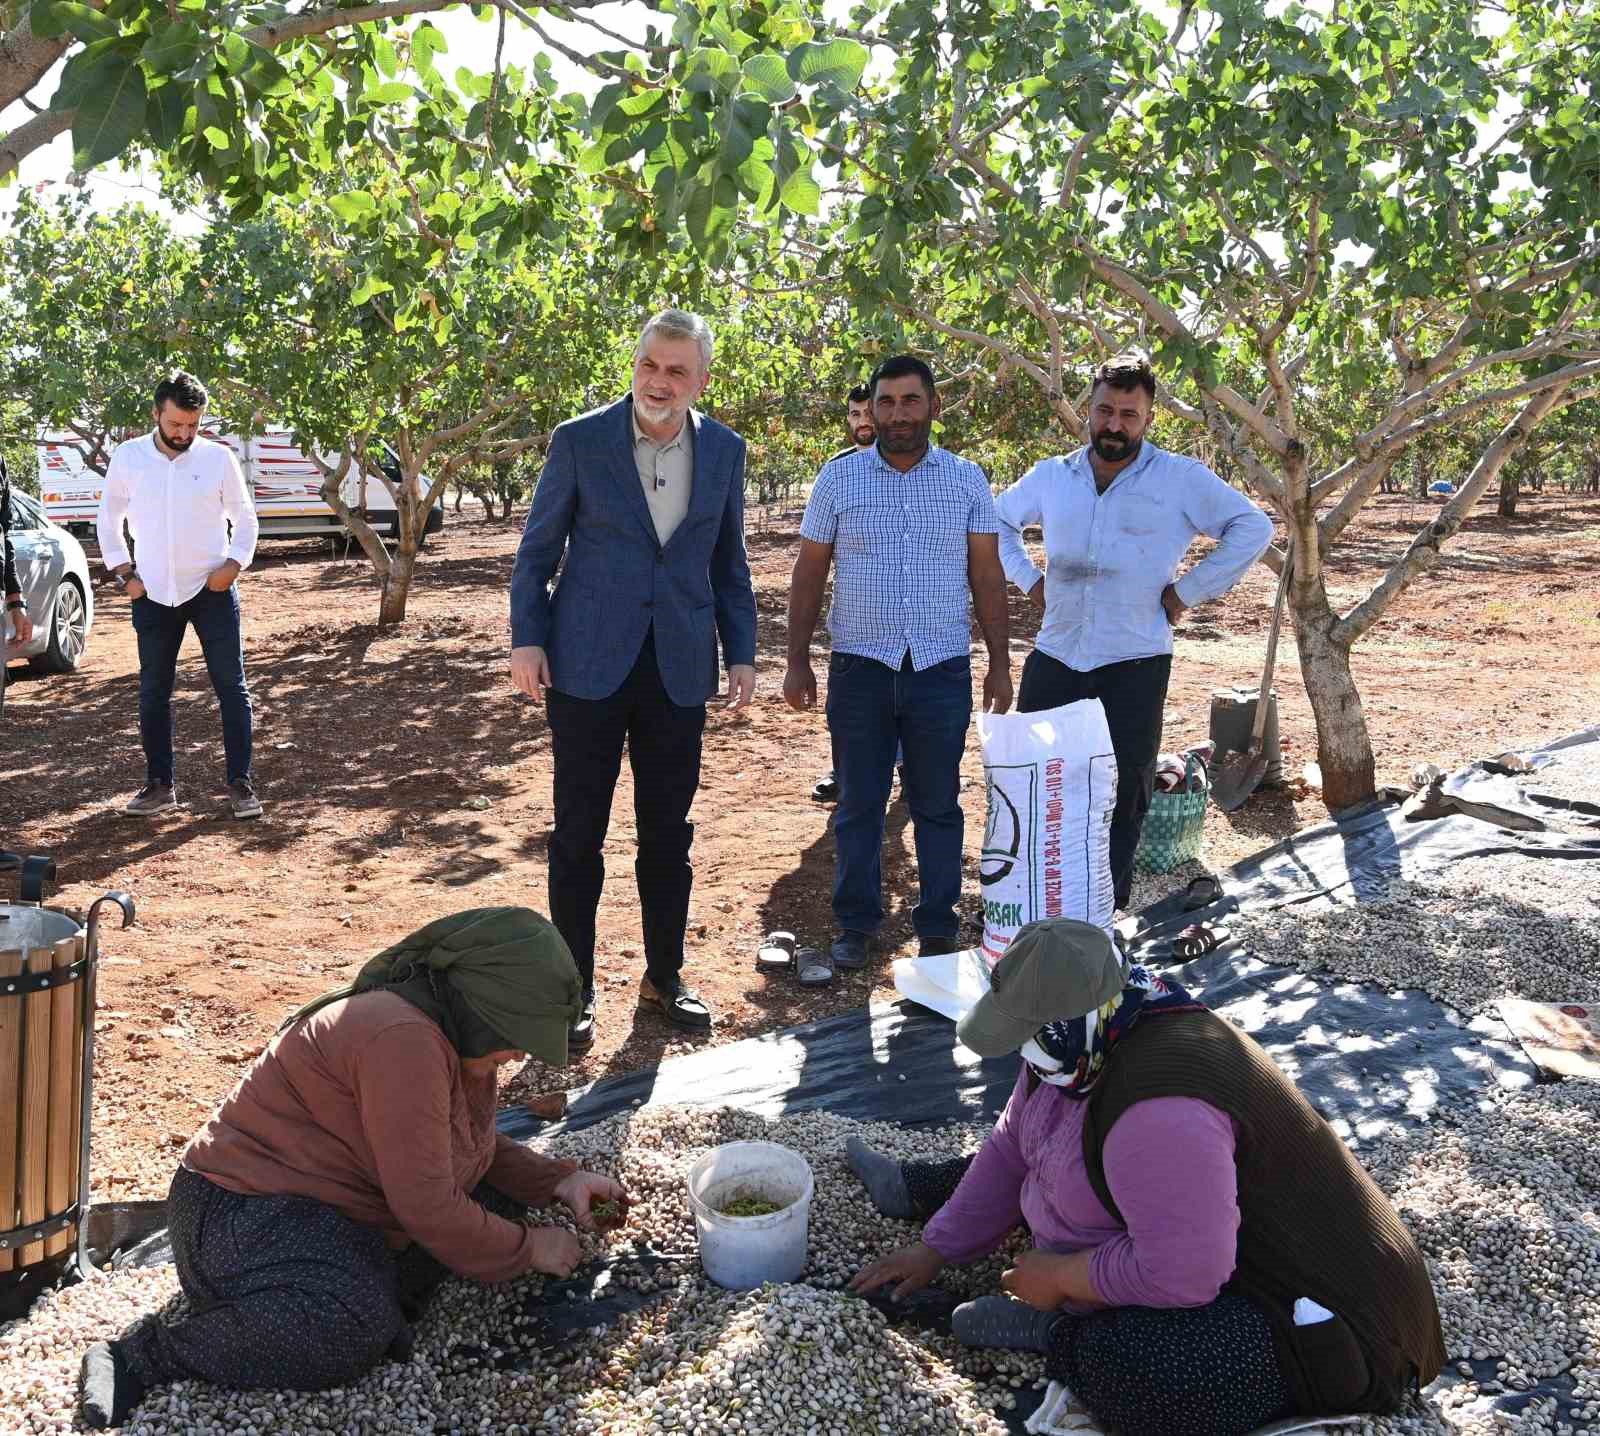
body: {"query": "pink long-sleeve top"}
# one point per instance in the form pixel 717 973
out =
pixel 1169 1163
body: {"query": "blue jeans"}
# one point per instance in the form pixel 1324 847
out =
pixel 160 631
pixel 871 708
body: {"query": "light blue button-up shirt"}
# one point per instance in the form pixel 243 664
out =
pixel 1109 555
pixel 900 553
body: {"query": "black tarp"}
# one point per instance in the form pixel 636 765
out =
pixel 1368 1058
pixel 1416 1055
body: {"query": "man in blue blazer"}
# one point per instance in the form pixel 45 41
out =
pixel 646 500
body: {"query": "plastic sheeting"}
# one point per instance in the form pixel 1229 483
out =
pixel 1369 1059
pixel 1354 856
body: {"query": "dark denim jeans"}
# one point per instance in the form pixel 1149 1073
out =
pixel 160 630
pixel 871 708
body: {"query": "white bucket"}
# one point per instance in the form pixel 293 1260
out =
pixel 740 1253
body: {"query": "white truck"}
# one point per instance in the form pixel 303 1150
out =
pixel 284 482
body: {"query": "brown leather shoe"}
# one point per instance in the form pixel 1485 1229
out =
pixel 682 1008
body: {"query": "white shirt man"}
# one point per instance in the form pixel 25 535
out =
pixel 184 501
pixel 1118 516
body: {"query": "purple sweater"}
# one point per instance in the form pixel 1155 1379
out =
pixel 1169 1164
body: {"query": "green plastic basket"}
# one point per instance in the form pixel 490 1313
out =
pixel 1175 824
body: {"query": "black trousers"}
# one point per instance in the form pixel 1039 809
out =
pixel 285 1292
pixel 1134 695
pixel 663 740
pixel 1151 1371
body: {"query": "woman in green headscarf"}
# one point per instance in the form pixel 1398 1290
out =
pixel 357 1163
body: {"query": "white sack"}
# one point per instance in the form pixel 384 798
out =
pixel 1051 779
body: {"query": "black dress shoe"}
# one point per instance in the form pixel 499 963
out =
pixel 581 1034
pixel 938 946
pixel 851 949
pixel 681 1007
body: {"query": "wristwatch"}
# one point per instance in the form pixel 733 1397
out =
pixel 16 605
pixel 121 579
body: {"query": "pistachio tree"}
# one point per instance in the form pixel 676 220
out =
pixel 1276 201
pixel 1395 197
pixel 92 315
pixel 1279 203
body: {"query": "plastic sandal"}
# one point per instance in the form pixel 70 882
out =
pixel 813 967
pixel 1201 892
pixel 1198 939
pixel 825 790
pixel 776 954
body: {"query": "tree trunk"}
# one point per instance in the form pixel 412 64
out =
pixel 397 583
pixel 460 494
pixel 505 508
pixel 1510 489
pixel 1344 747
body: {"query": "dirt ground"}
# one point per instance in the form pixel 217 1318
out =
pixel 404 779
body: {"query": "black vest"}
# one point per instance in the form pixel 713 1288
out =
pixel 1312 1222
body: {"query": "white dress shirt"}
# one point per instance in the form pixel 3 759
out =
pixel 1111 554
pixel 178 511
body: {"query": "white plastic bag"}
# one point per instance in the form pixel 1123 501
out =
pixel 1052 783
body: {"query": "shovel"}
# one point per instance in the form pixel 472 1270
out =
pixel 1235 779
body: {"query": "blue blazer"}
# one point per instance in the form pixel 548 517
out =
pixel 618 579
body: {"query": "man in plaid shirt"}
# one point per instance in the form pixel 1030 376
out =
pixel 910 529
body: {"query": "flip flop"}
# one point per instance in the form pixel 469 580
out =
pixel 813 967
pixel 1198 939
pixel 1201 892
pixel 776 954
pixel 825 790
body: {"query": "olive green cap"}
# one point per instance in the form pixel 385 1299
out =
pixel 1054 970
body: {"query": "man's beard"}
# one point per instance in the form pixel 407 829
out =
pixel 905 443
pixel 655 413
pixel 856 436
pixel 178 446
pixel 1114 450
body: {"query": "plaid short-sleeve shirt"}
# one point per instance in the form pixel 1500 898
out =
pixel 900 553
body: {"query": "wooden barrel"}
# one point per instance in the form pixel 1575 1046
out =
pixel 41 1073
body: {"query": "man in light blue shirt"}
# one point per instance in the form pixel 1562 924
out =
pixel 909 529
pixel 1118 517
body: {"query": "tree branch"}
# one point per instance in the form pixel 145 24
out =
pixel 29 136
pixel 1032 368
pixel 1423 553
pixel 1241 236
pixel 26 58
pixel 37 132
pixel 1113 102
pixel 1120 279
pixel 332 494
pixel 320 21
pixel 1380 441
pixel 1308 285
pixel 592 63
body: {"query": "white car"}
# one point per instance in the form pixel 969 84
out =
pixel 54 577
